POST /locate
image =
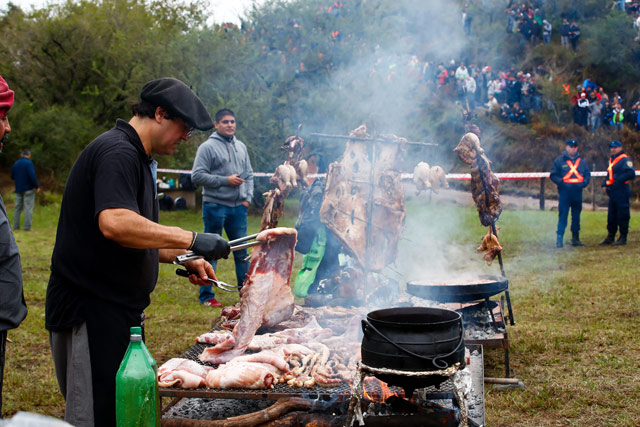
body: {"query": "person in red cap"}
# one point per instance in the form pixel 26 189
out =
pixel 13 309
pixel 108 244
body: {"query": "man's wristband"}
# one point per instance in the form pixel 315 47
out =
pixel 193 240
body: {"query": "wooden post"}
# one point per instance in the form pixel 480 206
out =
pixel 542 182
pixel 593 191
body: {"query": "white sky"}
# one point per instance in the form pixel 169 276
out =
pixel 221 10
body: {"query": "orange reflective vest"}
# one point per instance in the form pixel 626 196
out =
pixel 573 170
pixel 610 181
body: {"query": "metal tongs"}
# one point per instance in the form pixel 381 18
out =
pixel 236 245
pixel 221 285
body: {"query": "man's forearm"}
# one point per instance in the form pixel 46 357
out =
pixel 132 230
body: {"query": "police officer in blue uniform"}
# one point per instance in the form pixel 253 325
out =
pixel 616 185
pixel 571 174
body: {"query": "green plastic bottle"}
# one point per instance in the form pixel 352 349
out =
pixel 138 330
pixel 136 387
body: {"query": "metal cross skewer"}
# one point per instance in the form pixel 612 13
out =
pixel 388 140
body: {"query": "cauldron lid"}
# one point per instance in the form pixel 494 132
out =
pixel 413 316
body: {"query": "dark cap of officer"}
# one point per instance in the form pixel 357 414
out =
pixel 572 143
pixel 615 143
pixel 177 98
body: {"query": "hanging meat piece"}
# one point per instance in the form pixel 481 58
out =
pixel 484 183
pixel 367 223
pixel 266 297
pixel 490 246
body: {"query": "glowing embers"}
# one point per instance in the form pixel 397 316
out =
pixel 379 391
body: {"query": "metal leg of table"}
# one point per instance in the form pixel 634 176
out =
pixel 511 319
pixel 507 370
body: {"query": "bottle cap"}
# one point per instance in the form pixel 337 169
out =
pixel 135 330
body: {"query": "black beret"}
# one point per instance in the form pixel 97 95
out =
pixel 179 100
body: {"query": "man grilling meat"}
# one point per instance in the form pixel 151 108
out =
pixel 571 174
pixel 108 244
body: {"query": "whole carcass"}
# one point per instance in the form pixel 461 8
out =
pixel 438 178
pixel 421 177
pixel 363 203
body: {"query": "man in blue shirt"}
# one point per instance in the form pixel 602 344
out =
pixel 24 175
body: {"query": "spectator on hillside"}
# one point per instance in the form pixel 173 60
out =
pixel 470 90
pixel 564 33
pixel 603 95
pixel 616 99
pixel 617 119
pixel 466 20
pixel 546 31
pixel 607 114
pixel 493 105
pixel 574 35
pixel 583 110
pixel 526 101
pixel 461 73
pixel 595 115
pixel 505 111
pixel 517 114
pixel 442 75
pixel 589 85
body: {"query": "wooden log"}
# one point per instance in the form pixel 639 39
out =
pixel 307 419
pixel 273 412
pixel 490 380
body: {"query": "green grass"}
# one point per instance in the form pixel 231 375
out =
pixel 575 344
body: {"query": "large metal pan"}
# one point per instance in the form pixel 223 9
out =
pixel 484 287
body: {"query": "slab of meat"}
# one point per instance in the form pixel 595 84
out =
pixel 265 356
pixel 266 297
pixel 247 375
pixel 484 183
pixel 309 333
pixel 224 340
pixel 371 235
pixel 182 373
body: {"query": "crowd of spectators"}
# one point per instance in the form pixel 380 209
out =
pixel 594 109
pixel 510 94
pixel 530 22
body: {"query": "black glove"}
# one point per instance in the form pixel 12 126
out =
pixel 211 246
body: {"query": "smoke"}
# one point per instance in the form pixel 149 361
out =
pixel 433 247
pixel 381 83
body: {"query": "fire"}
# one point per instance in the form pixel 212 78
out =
pixel 378 391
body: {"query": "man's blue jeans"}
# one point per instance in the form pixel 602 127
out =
pixel 233 220
pixel 24 200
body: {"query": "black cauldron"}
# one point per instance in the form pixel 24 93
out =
pixel 413 339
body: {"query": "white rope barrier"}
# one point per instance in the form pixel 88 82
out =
pixel 408 176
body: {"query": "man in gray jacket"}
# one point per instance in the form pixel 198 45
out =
pixel 223 169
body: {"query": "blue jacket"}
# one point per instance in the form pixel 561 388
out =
pixel 623 171
pixel 24 175
pixel 560 168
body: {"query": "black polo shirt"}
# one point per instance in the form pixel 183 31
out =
pixel 88 270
